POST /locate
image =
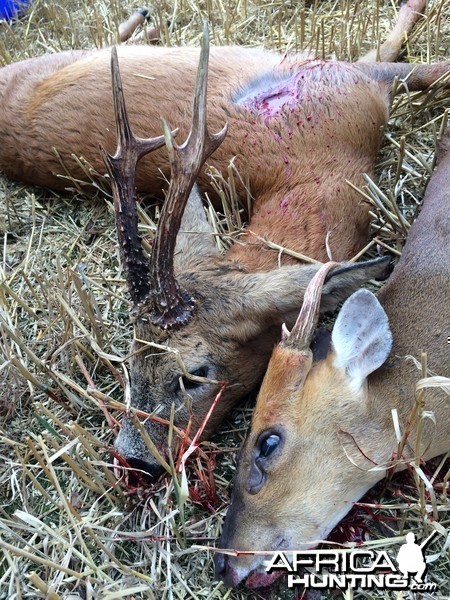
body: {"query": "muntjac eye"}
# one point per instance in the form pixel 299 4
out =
pixel 189 384
pixel 268 445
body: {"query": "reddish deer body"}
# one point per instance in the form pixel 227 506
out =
pixel 299 130
pixel 323 433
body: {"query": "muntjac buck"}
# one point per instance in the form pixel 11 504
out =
pixel 323 431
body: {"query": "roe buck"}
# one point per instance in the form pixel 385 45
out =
pixel 322 432
pixel 300 128
pixel 227 305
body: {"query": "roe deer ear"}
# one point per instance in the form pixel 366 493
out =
pixel 361 336
pixel 275 297
pixel 195 240
pixel 349 277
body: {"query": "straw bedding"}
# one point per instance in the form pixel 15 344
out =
pixel 68 529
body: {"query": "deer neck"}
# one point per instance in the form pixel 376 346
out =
pixel 299 220
pixel 416 300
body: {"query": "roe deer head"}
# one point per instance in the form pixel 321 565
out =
pixel 219 318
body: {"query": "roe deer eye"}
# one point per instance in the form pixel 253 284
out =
pixel 189 384
pixel 268 445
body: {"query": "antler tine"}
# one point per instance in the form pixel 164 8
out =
pixel 171 306
pixel 301 334
pixel 200 143
pixel 122 170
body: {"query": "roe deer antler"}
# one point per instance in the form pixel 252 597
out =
pixel 153 286
pixel 122 171
pixel 169 305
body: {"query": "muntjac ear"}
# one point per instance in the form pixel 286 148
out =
pixel 361 336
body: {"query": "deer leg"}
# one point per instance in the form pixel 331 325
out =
pixel 148 35
pixel 408 15
pixel 128 27
pixel 417 77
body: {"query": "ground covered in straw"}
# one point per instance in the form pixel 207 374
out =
pixel 67 528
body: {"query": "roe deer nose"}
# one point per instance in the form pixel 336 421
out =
pixel 150 471
pixel 140 471
pixel 222 569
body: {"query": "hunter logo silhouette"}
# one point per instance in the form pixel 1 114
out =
pixel 411 557
pixel 363 568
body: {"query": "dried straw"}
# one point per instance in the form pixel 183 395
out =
pixel 68 528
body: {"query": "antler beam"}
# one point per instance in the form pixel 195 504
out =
pixel 169 305
pixel 122 170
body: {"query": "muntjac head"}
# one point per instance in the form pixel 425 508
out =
pixel 312 449
pixel 323 431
